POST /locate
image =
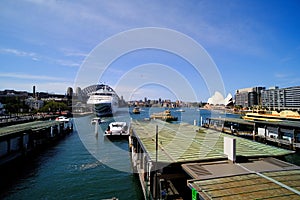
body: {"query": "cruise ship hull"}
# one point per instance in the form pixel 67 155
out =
pixel 104 109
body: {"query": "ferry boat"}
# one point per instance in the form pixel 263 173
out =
pixel 105 101
pixel 165 116
pixel 117 129
pixel 136 110
pixel 272 116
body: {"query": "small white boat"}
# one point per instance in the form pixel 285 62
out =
pixel 62 119
pixel 117 129
pixel 180 110
pixel 96 120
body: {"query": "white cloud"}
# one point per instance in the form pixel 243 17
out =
pixel 17 52
pixel 31 77
pixel 281 75
pixel 36 57
pixel 82 14
pixel 74 53
pixel 50 87
pixel 69 63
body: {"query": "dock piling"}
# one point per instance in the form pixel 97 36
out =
pixel 156 168
pixel 96 128
pixel 201 121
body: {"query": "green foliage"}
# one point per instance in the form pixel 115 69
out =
pixel 14 105
pixel 53 106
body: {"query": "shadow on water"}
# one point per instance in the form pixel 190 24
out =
pixel 121 143
pixel 13 173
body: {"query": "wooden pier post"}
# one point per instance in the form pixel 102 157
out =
pixel 253 133
pixel 51 132
pixel 293 140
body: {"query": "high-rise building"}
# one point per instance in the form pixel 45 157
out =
pixel 69 92
pixel 248 97
pixel 280 99
pixel 33 91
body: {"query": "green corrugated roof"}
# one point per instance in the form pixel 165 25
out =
pixel 36 125
pixel 286 185
pixel 184 142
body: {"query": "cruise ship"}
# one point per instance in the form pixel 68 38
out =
pixel 104 100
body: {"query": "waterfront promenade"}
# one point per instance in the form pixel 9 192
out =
pixel 7 120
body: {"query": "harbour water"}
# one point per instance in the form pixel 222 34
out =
pixel 85 165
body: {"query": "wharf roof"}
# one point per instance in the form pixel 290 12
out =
pixel 267 178
pixel 180 143
pixel 36 125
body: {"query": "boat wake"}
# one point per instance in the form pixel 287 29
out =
pixel 86 166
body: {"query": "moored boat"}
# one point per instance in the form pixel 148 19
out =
pixel 62 119
pixel 136 110
pixel 272 116
pixel 117 129
pixel 96 120
pixel 165 116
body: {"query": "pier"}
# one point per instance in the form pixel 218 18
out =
pixel 20 139
pixel 282 133
pixel 182 161
pixel 24 118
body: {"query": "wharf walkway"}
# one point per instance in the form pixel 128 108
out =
pixel 29 126
pixel 161 163
pixel 20 139
pixel 8 120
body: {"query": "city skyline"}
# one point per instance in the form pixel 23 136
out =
pixel 45 43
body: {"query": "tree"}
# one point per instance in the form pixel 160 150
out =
pixel 53 106
pixel 14 105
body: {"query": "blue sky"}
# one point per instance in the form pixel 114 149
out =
pixel 252 43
